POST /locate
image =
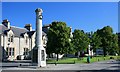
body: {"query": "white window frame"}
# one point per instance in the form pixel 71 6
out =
pixel 26 51
pixel 10 51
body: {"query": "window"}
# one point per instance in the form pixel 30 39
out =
pixel 10 51
pixel 6 51
pixel 26 39
pixel 26 51
pixel 13 52
pixel 10 38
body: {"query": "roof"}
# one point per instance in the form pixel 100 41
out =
pixel 17 31
pixel 5 31
pixel 30 33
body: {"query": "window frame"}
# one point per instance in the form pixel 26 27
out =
pixel 10 51
pixel 10 38
pixel 26 51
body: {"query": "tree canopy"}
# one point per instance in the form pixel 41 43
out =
pixel 80 40
pixel 107 39
pixel 60 41
pixel 58 38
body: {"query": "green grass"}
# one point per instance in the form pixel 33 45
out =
pixel 83 60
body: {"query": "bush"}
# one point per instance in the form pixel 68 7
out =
pixel 111 57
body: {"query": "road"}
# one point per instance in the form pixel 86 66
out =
pixel 102 65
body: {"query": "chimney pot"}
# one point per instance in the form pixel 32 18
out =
pixel 6 23
pixel 28 27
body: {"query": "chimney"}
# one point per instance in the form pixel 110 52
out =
pixel 28 27
pixel 6 23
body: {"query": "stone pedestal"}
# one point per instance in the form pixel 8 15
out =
pixel 41 57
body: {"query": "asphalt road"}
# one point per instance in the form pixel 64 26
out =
pixel 110 65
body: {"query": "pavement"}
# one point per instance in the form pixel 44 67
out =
pixel 110 65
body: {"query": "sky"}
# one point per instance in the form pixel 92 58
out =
pixel 87 16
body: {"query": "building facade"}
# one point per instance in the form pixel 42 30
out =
pixel 18 43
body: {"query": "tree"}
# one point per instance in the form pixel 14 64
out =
pixel 114 45
pixel 118 43
pixel 58 38
pixel 106 37
pixel 80 41
pixel 95 41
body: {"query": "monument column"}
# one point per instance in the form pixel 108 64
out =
pixel 39 44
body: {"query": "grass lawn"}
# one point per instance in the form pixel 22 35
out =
pixel 83 60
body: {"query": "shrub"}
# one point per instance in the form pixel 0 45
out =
pixel 111 57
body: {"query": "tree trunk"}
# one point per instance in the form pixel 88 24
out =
pixel 104 51
pixel 78 54
pixel 91 54
pixel 52 55
pixel 57 57
pixel 48 56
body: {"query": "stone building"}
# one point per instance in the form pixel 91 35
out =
pixel 17 43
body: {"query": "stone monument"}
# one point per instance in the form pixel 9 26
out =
pixel 41 60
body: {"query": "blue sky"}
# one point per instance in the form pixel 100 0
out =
pixel 87 16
